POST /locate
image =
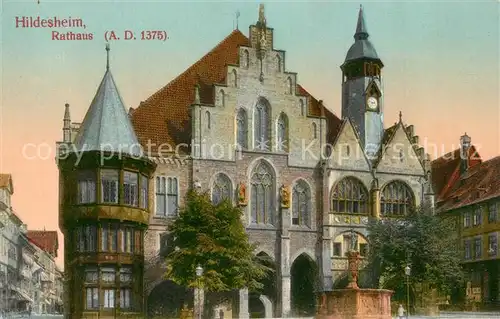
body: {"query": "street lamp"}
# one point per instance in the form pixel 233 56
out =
pixel 407 273
pixel 199 273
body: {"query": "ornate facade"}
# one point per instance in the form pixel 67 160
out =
pixel 238 124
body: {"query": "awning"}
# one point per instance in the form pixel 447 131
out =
pixel 24 295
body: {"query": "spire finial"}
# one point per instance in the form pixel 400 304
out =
pixel 400 116
pixel 107 55
pixel 262 17
pixel 361 32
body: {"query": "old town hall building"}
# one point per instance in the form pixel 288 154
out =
pixel 238 124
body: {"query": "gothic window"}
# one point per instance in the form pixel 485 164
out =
pixel 144 192
pixel 130 188
pixel 314 131
pixel 245 59
pixel 289 86
pixel 350 196
pixel 301 204
pixel 221 189
pixel 261 125
pixel 302 108
pixel 223 97
pixel 207 118
pixel 109 185
pixel 241 128
pixel 278 63
pixel 166 196
pixel 396 199
pixel 262 194
pixel 86 187
pixel 234 78
pixel 282 133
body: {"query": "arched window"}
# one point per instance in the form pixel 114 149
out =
pixel 289 86
pixel 261 125
pixel 282 133
pixel 207 115
pixel 262 194
pixel 234 78
pixel 302 108
pixel 314 131
pixel 245 59
pixel 396 199
pixel 221 188
pixel 278 63
pixel 222 98
pixel 350 196
pixel 241 129
pixel 301 204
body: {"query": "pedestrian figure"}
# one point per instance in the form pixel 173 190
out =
pixel 401 312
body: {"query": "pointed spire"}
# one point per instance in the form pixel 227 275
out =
pixel 237 18
pixel 400 117
pixel 107 55
pixel 67 115
pixel 361 32
pixel 197 94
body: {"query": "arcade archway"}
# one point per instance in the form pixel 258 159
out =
pixel 167 299
pixel 257 304
pixel 304 276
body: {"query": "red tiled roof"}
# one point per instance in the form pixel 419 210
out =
pixel 6 181
pixel 46 240
pixel 164 117
pixel 445 171
pixel 480 183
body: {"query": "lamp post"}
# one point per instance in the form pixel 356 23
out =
pixel 199 273
pixel 407 273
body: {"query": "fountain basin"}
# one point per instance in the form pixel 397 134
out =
pixel 355 304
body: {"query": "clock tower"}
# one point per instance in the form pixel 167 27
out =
pixel 362 90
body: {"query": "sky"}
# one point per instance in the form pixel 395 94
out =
pixel 441 69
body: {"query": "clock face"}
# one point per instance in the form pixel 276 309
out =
pixel 372 103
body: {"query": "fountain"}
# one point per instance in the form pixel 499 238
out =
pixel 354 302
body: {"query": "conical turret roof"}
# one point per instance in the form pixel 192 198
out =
pixel 107 126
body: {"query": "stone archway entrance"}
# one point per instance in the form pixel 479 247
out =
pixel 303 281
pixel 167 298
pixel 260 303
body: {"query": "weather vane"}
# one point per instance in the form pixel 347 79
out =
pixel 237 16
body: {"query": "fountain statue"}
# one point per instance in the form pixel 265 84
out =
pixel 354 302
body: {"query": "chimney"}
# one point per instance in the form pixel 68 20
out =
pixel 465 144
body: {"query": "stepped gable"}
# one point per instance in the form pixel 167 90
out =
pixel 164 118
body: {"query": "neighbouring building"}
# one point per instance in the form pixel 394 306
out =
pixel 47 299
pixel 104 209
pixel 26 268
pixel 468 189
pixel 238 124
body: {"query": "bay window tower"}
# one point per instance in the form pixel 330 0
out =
pixel 104 210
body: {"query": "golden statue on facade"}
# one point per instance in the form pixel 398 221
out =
pixel 285 196
pixel 242 194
